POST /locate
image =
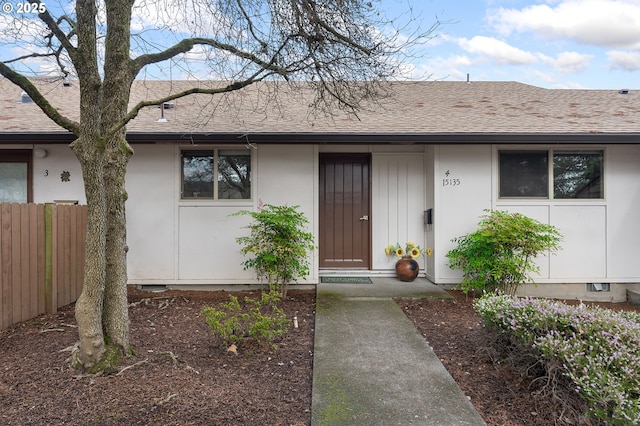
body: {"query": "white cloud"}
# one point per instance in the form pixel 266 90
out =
pixel 627 61
pixel 592 22
pixel 497 51
pixel 544 76
pixel 571 62
pixel 455 67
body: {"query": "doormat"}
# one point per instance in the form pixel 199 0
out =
pixel 345 280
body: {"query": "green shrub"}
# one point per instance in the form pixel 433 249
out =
pixel 500 254
pixel 278 243
pixel 260 320
pixel 596 349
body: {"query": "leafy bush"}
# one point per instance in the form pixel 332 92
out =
pixel 596 348
pixel 500 255
pixel 279 244
pixel 261 320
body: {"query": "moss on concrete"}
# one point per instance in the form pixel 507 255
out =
pixel 339 404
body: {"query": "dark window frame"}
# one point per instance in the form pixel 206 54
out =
pixel 213 175
pixel 21 156
pixel 593 191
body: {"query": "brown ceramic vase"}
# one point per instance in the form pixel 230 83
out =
pixel 407 269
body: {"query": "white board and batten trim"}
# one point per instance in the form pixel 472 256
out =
pixel 398 204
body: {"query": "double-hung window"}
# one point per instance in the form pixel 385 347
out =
pixel 216 174
pixel 556 174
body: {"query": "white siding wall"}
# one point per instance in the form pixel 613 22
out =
pixel 151 214
pixel 48 185
pixel 173 241
pixel 462 186
pixel 622 186
pixel 601 238
pixel 398 203
pixel 288 175
pixel 207 250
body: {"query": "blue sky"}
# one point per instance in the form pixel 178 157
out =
pixel 591 44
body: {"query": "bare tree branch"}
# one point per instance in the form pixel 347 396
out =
pixel 30 55
pixel 37 97
pixel 54 26
pixel 186 45
pixel 192 91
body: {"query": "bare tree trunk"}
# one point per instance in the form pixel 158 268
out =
pixel 89 149
pixel 118 76
pixel 115 316
pixel 89 304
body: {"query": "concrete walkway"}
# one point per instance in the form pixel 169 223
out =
pixel 371 365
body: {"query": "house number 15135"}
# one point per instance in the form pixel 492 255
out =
pixel 450 182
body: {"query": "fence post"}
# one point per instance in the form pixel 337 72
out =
pixel 51 306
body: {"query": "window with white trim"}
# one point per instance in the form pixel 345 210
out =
pixel 565 174
pixel 216 174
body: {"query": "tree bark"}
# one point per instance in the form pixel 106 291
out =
pixel 115 315
pixel 89 149
pixel 90 302
pixel 118 77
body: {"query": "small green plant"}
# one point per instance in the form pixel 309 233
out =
pixel 500 254
pixel 259 319
pixel 278 244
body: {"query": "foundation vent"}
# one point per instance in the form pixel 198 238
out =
pixel 597 287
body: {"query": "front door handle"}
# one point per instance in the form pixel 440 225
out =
pixel 365 217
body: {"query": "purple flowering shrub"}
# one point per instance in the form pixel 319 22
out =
pixel 598 349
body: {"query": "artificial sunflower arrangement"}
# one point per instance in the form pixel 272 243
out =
pixel 410 249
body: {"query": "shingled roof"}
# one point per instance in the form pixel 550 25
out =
pixel 430 112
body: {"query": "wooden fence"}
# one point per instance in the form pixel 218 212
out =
pixel 41 259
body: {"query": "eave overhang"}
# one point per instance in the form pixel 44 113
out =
pixel 337 138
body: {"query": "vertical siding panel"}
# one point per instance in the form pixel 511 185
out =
pixel 41 259
pixel 40 279
pixel 48 258
pixel 398 203
pixel 63 255
pixel 33 260
pixel 67 255
pixel 17 259
pixel 25 277
pixel 81 247
pixel 54 258
pixel 5 265
pixel 74 240
pixel 59 249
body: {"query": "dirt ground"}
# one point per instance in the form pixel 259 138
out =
pixel 181 376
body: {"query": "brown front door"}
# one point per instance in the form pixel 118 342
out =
pixel 345 232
